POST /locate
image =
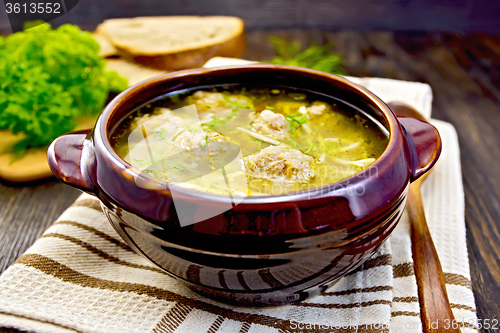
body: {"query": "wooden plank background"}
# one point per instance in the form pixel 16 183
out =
pixel 463 70
pixel 391 15
pixel 464 73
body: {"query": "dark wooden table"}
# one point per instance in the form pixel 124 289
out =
pixel 464 73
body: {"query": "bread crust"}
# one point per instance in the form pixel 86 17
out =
pixel 233 48
pixel 106 48
pixel 188 57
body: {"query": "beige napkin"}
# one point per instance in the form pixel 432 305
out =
pixel 81 277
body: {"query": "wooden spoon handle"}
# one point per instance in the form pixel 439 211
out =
pixel 434 304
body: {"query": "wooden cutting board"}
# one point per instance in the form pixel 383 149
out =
pixel 32 165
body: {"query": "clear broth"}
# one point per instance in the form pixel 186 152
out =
pixel 161 139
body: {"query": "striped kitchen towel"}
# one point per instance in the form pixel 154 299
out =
pixel 81 277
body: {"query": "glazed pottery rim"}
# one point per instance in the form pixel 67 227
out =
pixel 103 128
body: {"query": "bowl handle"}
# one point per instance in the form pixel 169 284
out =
pixel 423 138
pixel 65 156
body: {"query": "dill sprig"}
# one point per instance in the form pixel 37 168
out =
pixel 296 120
pixel 319 57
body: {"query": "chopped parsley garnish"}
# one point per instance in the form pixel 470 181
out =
pixel 310 148
pixel 159 157
pixel 161 135
pixel 204 143
pixel 236 105
pixel 142 162
pixel 156 158
pixel 217 121
pixel 305 146
pixel 296 120
pixel 257 142
pixel 330 148
pixel 48 77
pixel 294 143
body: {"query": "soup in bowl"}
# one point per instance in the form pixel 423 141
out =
pixel 243 141
pixel 255 185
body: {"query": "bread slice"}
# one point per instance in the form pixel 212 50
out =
pixel 176 42
pixel 106 49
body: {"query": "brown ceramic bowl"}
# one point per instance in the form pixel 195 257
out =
pixel 266 250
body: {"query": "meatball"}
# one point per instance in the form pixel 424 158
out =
pixel 161 119
pixel 316 109
pixel 197 142
pixel 208 100
pixel 280 164
pixel 272 124
pixel 313 110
